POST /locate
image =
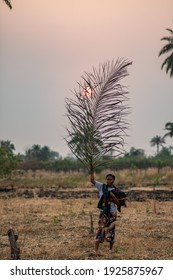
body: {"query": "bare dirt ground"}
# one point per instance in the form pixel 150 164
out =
pixel 56 224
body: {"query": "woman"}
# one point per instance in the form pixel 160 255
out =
pixel 108 205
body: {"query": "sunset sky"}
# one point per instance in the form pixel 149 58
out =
pixel 46 45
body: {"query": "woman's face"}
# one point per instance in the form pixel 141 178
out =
pixel 110 180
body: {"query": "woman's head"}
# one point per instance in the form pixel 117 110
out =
pixel 110 178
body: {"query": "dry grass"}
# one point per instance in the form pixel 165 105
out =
pixel 54 228
pixel 137 177
pixel 59 229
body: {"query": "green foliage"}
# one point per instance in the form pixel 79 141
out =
pixel 135 153
pixel 168 49
pixel 131 161
pixel 169 128
pixel 8 161
pixel 56 221
pixel 36 152
pixel 43 158
pixel 157 141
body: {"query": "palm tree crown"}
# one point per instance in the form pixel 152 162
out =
pixel 7 145
pixel 168 62
pixel 169 128
pixel 157 141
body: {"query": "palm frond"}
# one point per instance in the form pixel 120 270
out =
pixel 170 30
pixel 165 62
pixel 8 2
pixel 168 62
pixel 98 115
pixel 169 128
pixel 169 39
pixel 166 48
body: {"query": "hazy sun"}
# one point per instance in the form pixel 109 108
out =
pixel 88 91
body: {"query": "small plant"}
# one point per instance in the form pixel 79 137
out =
pixel 56 221
pixel 157 180
pixel 147 209
pixel 83 212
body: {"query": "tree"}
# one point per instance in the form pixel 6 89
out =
pixel 168 62
pixel 136 152
pixel 8 2
pixel 169 128
pixel 54 155
pixel 44 153
pixel 7 145
pixel 34 152
pixel 157 141
pixel 8 161
pixel 165 152
pixel 38 153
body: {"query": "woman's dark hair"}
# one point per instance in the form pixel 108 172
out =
pixel 113 177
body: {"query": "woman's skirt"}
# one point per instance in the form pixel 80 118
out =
pixel 106 227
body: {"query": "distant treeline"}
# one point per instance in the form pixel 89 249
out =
pixel 43 158
pixel 135 159
pixel 125 162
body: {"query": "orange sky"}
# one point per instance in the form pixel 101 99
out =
pixel 48 44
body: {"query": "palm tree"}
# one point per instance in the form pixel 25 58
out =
pixel 136 152
pixel 169 128
pixel 8 2
pixel 157 141
pixel 45 153
pixel 7 145
pixel 168 62
pixel 36 150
